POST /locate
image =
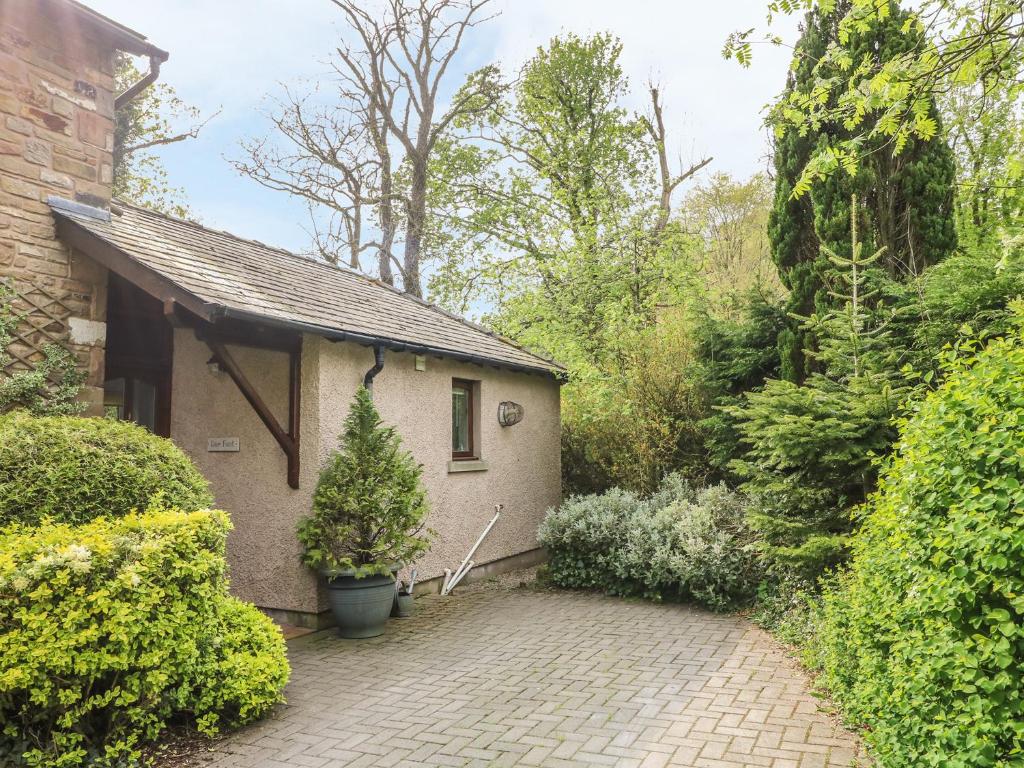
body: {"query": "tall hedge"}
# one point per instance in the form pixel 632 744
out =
pixel 74 469
pixel 111 628
pixel 922 640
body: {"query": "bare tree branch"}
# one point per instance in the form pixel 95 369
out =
pixel 365 157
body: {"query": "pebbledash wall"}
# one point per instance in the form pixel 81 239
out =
pixel 56 138
pixel 523 461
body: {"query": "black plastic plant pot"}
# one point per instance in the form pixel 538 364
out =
pixel 360 606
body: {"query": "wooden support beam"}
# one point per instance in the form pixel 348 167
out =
pixel 294 403
pixel 288 440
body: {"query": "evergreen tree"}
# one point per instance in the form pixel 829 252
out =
pixel 908 196
pixel 811 447
pixel 369 505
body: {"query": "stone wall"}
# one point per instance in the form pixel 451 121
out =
pixel 56 138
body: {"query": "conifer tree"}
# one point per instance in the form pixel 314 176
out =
pixel 369 505
pixel 811 446
pixel 908 197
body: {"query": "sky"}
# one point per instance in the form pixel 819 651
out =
pixel 234 55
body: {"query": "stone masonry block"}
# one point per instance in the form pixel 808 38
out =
pixel 63 108
pixel 19 125
pixel 56 179
pixel 94 129
pixel 47 120
pixel 37 152
pixel 19 188
pixel 74 167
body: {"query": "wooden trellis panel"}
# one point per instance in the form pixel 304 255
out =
pixel 42 313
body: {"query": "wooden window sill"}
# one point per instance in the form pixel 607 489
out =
pixel 467 465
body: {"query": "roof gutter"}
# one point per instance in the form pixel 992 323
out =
pixel 396 345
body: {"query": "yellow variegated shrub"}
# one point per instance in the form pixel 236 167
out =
pixel 109 629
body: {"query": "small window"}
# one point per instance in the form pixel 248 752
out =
pixel 462 420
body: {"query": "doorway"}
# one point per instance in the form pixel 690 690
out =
pixel 139 357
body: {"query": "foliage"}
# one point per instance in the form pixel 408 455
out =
pixel 731 217
pixel 985 125
pixel 968 295
pixel 885 102
pixel 552 205
pixel 245 670
pixel 116 626
pixel 810 447
pixel 638 417
pixel 369 505
pixel 557 211
pixel 678 544
pixel 142 125
pixel 735 355
pixel 49 387
pixel 582 536
pixel 788 608
pixel 907 198
pixel 74 469
pixel 920 641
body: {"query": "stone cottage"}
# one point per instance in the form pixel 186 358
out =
pixel 245 355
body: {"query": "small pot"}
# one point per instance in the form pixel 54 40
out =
pixel 360 606
pixel 404 605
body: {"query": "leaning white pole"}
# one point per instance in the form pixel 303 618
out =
pixel 450 583
pixel 459 576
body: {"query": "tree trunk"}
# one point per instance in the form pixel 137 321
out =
pixel 417 214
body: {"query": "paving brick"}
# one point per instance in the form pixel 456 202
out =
pixel 495 677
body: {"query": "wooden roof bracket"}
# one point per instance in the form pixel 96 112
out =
pixel 288 440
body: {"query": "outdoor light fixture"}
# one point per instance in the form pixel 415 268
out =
pixel 509 413
pixel 213 364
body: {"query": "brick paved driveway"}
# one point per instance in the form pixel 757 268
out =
pixel 502 677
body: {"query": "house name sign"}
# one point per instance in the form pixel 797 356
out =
pixel 222 445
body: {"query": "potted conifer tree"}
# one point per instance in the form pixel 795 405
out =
pixel 367 521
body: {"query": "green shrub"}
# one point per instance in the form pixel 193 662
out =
pixel 922 640
pixel 113 627
pixel 246 669
pixel 583 537
pixel 678 544
pixel 74 469
pixel 369 505
pixel 700 549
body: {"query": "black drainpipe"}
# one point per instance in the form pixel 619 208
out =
pixel 378 366
pixel 155 59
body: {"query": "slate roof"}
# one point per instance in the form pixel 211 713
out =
pixel 244 279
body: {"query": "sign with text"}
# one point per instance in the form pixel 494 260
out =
pixel 222 444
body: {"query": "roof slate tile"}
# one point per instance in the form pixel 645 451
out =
pixel 221 269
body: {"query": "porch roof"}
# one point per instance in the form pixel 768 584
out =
pixel 217 275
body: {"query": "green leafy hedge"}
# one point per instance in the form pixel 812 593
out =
pixel 678 544
pixel 112 627
pixel 74 469
pixel 922 640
